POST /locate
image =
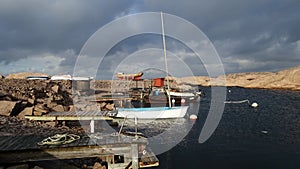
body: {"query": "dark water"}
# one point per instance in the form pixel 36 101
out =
pixel 267 137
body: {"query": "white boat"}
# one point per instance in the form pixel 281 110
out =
pixel 182 94
pixel 188 96
pixel 153 112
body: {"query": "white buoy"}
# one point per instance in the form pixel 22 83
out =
pixel 193 117
pixel 173 102
pixel 264 132
pixel 254 105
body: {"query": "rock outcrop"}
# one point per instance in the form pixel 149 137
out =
pixel 285 79
pixel 24 75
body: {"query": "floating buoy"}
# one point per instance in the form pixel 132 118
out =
pixel 182 100
pixel 264 132
pixel 193 117
pixel 254 105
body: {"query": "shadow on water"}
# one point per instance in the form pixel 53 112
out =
pixel 263 137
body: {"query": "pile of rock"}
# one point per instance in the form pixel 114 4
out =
pixel 20 97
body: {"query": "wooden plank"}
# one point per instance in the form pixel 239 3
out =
pixel 92 125
pixel 135 156
pixel 62 118
pixel 51 154
pixel 111 99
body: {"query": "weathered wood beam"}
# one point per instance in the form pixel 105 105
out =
pixel 62 118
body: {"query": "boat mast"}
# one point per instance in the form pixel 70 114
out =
pixel 165 55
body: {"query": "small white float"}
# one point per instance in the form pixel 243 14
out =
pixel 254 105
pixel 193 117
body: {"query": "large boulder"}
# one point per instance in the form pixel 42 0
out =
pixel 26 112
pixel 7 107
pixel 58 108
pixel 1 77
pixel 24 75
pixel 40 109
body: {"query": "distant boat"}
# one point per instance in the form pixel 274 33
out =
pixel 37 77
pixel 61 77
pixel 153 112
pixel 159 97
pixel 135 76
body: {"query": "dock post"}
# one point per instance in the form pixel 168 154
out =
pixel 92 124
pixel 135 156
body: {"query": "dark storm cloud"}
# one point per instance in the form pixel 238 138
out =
pixel 52 26
pixel 257 31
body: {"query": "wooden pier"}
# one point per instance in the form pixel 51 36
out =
pixel 107 147
pixel 73 116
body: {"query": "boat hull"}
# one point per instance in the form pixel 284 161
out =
pixel 153 112
pixel 136 76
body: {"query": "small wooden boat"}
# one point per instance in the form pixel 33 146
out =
pixel 135 76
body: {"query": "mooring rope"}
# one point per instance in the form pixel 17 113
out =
pixel 59 139
pixel 237 102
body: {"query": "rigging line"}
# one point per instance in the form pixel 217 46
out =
pixel 165 56
pixel 237 102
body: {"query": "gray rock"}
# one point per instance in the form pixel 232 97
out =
pixel 7 107
pixel 71 108
pixel 40 110
pixel 55 88
pixel 58 108
pixel 31 101
pixel 28 111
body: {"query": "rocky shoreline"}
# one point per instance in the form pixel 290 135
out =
pixel 288 79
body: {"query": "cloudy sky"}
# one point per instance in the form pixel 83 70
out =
pixel 47 36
